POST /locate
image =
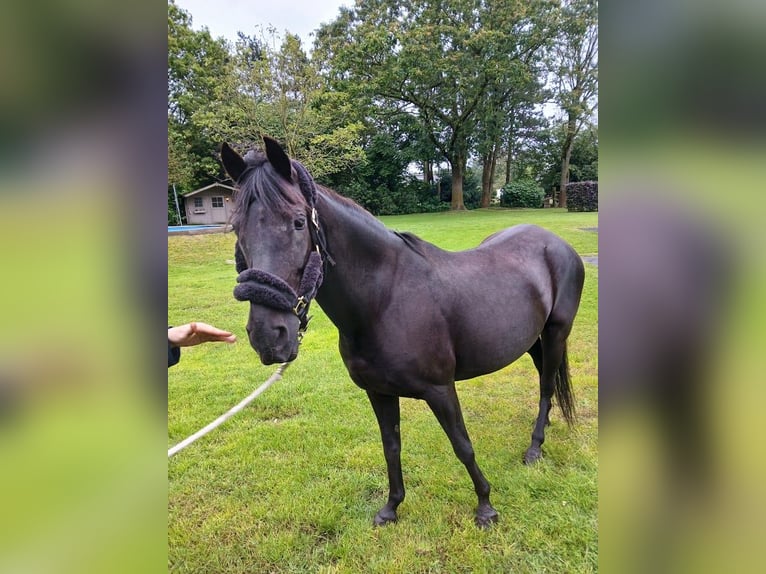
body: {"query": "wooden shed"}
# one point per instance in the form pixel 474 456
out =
pixel 209 205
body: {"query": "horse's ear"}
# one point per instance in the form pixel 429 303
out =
pixel 278 158
pixel 232 162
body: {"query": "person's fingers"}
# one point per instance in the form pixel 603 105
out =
pixel 208 333
pixel 196 332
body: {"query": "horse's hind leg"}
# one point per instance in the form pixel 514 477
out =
pixel 551 349
pixel 536 352
pixel 445 405
pixel 387 412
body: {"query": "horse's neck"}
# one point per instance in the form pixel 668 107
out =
pixel 365 253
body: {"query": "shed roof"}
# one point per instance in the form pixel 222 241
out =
pixel 223 188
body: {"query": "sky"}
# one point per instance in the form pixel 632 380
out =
pixel 227 17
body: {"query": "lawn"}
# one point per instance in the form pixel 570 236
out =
pixel 292 483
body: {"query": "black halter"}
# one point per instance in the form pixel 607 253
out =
pixel 263 288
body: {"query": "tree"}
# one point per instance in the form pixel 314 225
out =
pixel 279 92
pixel 576 73
pixel 197 65
pixel 583 165
pixel 525 134
pixel 506 120
pixel 436 61
pixel 540 158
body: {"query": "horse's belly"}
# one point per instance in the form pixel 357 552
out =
pixel 474 366
pixel 490 349
pixel 393 382
pixel 398 370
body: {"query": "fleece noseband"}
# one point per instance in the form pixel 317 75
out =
pixel 264 288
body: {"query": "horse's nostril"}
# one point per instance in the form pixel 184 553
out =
pixel 281 336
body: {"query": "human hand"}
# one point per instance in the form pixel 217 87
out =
pixel 196 333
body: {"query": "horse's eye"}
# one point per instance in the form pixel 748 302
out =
pixel 299 223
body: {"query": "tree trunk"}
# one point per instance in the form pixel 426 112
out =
pixel 493 169
pixel 565 157
pixel 458 169
pixel 486 179
pixel 508 162
pixel 564 177
pixel 428 172
pixel 488 176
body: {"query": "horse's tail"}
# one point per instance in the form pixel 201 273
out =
pixel 563 389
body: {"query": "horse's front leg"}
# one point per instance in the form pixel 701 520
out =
pixel 387 412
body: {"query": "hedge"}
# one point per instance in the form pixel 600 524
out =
pixel 582 196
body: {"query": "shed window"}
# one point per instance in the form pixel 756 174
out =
pixel 217 202
pixel 197 202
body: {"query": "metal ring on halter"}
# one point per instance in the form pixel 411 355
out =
pixel 300 306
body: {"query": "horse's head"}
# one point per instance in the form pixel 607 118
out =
pixel 275 252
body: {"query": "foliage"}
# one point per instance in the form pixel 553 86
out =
pixel 388 86
pixel 197 65
pixel 291 483
pixel 583 165
pixel 575 72
pixel 412 196
pixel 476 53
pixel 582 196
pixel 380 183
pixel 522 193
pixel 540 159
pixel 279 92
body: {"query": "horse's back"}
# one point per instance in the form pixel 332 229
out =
pixel 524 236
pixel 534 249
pixel 529 249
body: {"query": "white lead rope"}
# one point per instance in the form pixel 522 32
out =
pixel 231 412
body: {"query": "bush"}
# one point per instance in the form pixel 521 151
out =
pixel 522 193
pixel 428 199
pixel 409 196
pixel 582 196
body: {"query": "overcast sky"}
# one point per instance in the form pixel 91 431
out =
pixel 227 17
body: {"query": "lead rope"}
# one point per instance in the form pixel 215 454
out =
pixel 231 412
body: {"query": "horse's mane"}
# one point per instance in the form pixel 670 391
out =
pixel 342 199
pixel 410 240
pixel 413 242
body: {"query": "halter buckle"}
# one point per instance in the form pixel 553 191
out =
pixel 300 305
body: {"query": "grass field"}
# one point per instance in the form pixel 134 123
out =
pixel 292 483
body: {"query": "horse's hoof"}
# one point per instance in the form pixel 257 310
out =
pixel 532 455
pixel 384 517
pixel 486 517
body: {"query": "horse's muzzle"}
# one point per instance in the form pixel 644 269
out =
pixel 274 343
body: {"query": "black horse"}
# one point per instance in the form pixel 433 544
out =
pixel 412 318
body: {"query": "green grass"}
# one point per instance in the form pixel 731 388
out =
pixel 292 483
